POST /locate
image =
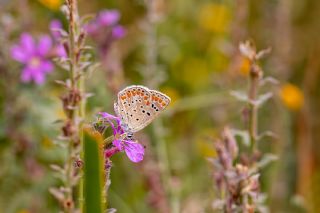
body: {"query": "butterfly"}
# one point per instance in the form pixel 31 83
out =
pixel 137 106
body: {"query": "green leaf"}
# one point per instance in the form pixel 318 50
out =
pixel 266 160
pixel 240 96
pixel 263 98
pixel 93 173
pixel 245 138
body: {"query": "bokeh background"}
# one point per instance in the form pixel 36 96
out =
pixel 187 49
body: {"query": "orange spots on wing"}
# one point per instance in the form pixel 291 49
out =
pixel 145 97
pixel 128 94
pixel 133 93
pixel 163 104
pixel 123 97
pixel 160 100
pixel 148 103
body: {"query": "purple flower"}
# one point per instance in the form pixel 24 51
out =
pixel 133 149
pixel 34 56
pixel 108 17
pixel 118 32
pixel 104 29
pixel 55 26
pixel 56 29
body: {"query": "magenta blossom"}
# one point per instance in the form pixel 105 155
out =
pixel 104 29
pixel 56 28
pixel 133 149
pixel 34 57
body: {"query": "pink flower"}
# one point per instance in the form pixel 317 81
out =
pixel 133 149
pixel 34 56
pixel 104 29
pixel 55 28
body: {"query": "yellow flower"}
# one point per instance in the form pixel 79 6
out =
pixel 51 4
pixel 291 96
pixel 214 17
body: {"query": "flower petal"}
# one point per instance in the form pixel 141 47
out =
pixel 108 116
pixel 46 66
pixel 134 150
pixel 27 43
pixel 19 54
pixel 60 51
pixel 26 75
pixel 44 45
pixel 118 144
pixel 117 129
pixel 118 32
pixel 54 25
pixel 108 17
pixel 38 76
pixel 91 28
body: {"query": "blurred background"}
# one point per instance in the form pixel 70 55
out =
pixel 187 49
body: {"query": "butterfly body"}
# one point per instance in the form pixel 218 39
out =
pixel 138 106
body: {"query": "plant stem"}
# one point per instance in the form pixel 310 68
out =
pixel 78 107
pixel 253 110
pixel 108 165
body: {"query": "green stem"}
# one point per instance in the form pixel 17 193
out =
pixel 253 111
pixel 77 87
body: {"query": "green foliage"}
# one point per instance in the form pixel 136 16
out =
pixel 93 173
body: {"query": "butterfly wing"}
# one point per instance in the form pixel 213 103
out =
pixel 157 103
pixel 138 106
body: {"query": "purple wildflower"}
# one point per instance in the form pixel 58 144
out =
pixel 133 150
pixel 104 29
pixel 108 17
pixel 56 28
pixel 34 57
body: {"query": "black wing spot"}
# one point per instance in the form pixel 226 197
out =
pixel 143 111
pixel 148 113
pixel 137 119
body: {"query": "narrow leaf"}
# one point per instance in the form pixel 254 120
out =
pixel 93 172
